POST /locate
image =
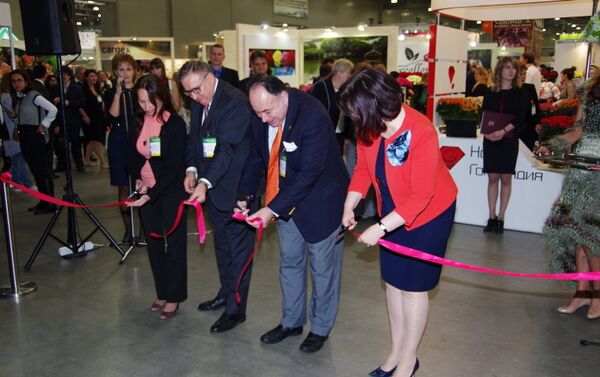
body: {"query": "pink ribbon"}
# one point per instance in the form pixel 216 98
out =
pixel 199 221
pixel 6 178
pixel 241 217
pixel 407 251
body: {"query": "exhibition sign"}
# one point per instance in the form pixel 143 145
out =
pixel 291 8
pixel 533 190
pixel 413 55
pixel 144 49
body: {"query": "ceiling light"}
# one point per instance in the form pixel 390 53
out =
pixel 361 27
pixel 503 48
pixel 90 1
pixel 472 43
pixel 406 31
pixel 543 29
pixel 428 36
pixel 264 26
pixel 134 38
pixel 478 22
pixel 574 25
pixel 78 23
pixel 556 18
pixel 99 15
pixel 578 28
pixel 401 37
pixel 429 9
pixel 394 1
pixel 284 25
pixel 285 29
pixel 96 8
pixel 328 30
pixel 557 33
pixel 416 31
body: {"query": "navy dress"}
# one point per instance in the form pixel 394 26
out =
pixel 403 272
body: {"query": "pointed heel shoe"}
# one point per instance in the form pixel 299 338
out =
pixel 568 309
pixel 490 226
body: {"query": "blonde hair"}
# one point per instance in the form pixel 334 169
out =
pixel 482 75
pixel 497 83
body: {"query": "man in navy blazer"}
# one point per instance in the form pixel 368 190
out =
pixel 217 55
pixel 308 207
pixel 218 146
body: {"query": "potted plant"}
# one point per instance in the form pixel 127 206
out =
pixel 461 115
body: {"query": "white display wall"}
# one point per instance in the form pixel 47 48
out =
pixel 533 190
pixel 412 54
pixel 570 53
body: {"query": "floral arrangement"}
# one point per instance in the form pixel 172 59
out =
pixel 468 108
pixel 555 125
pixel 557 117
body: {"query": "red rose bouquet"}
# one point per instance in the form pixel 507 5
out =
pixel 555 125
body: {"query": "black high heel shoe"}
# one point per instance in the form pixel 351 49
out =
pixel 382 373
pixel 415 368
pixel 491 226
pixel 499 227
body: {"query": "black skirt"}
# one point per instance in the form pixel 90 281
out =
pixel 500 156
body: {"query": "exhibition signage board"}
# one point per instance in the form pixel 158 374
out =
pixel 533 190
pixel 291 8
pixel 413 55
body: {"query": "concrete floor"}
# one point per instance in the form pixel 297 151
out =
pixel 90 316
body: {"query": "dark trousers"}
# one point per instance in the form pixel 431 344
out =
pixel 234 241
pixel 168 260
pixel 74 143
pixel 33 147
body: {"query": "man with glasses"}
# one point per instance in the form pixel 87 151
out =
pixel 218 146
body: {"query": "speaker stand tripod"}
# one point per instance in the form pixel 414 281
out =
pixel 77 248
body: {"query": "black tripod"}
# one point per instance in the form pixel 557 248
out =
pixel 131 238
pixel 76 247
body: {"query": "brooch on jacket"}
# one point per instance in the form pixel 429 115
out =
pixel 397 151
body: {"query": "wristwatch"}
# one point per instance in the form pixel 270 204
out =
pixel 383 227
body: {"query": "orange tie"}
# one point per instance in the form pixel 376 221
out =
pixel 273 169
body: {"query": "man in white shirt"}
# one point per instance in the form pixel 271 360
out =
pixel 533 75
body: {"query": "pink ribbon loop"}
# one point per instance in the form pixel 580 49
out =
pixel 200 225
pixel 241 217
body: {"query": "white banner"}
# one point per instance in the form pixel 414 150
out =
pixel 533 190
pixel 412 55
pixel 291 8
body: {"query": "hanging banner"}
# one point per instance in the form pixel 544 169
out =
pixel 141 50
pixel 519 33
pixel 291 8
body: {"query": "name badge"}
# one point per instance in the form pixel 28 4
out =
pixel 282 165
pixel 209 144
pixel 99 98
pixel 533 109
pixel 155 146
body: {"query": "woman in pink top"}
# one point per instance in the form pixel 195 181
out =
pixel 156 161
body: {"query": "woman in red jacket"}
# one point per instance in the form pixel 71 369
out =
pixel 398 153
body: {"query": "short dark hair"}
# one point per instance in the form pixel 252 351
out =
pixel 258 54
pixel 216 45
pixel 528 57
pixel 272 84
pixel 39 71
pixel 68 71
pixel 370 98
pixel 193 66
pixel 157 90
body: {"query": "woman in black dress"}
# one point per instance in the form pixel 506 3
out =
pixel 500 148
pixel 95 123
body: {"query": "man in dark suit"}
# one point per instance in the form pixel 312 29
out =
pixel 217 55
pixel 74 102
pixel 218 146
pixel 325 91
pixel 260 66
pixel 306 185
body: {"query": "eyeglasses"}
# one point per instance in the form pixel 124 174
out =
pixel 16 81
pixel 197 89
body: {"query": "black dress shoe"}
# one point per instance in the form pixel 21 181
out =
pixel 499 227
pixel 227 322
pixel 279 333
pixel 36 207
pixel 213 304
pixel 45 209
pixel 312 343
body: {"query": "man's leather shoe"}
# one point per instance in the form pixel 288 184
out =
pixel 227 322
pixel 279 333
pixel 312 343
pixel 213 304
